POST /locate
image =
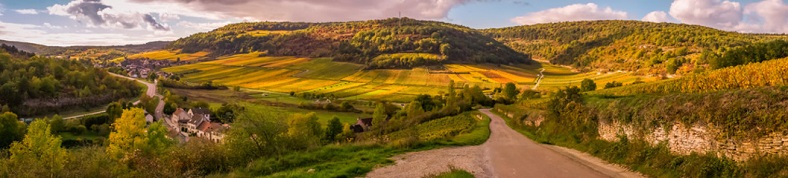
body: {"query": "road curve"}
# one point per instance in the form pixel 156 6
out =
pixel 507 153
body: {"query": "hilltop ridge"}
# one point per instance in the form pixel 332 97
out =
pixel 387 43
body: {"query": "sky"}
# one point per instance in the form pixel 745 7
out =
pixel 119 22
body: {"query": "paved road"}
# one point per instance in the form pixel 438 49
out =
pixel 506 153
pixel 514 155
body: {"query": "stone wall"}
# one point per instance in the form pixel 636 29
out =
pixel 698 138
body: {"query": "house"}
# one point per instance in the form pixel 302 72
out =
pixel 362 125
pixel 205 113
pixel 212 131
pixel 197 122
pixel 194 123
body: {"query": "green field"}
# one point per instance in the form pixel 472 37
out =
pixel 350 81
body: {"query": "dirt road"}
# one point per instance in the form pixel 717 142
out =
pixel 506 153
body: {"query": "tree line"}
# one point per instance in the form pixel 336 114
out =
pixel 37 85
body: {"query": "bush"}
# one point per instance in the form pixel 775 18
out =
pixel 588 85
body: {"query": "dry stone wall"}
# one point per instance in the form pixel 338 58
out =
pixel 683 139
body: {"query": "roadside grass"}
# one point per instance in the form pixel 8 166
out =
pixel 355 160
pixel 454 173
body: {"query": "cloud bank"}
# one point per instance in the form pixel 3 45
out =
pixel 574 12
pixel 306 10
pixel 97 14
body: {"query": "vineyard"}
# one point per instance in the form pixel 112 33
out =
pixel 769 73
pixel 169 55
pixel 351 81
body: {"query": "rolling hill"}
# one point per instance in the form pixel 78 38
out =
pixel 388 43
pixel 642 47
pixel 87 52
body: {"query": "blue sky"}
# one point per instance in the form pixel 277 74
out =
pixel 117 22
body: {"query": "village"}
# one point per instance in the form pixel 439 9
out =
pixel 144 68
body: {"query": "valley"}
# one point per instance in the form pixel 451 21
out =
pixel 401 97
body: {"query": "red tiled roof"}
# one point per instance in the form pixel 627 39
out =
pixel 204 126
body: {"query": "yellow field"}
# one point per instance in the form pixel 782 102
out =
pixel 266 32
pixel 169 55
pixel 346 80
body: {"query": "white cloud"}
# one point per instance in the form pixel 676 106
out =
pixel 98 14
pixel 713 13
pixel 297 10
pixel 35 34
pixel 768 16
pixel 656 16
pixel 574 12
pixel 27 11
pixel 166 17
pixel 202 26
pixel 48 25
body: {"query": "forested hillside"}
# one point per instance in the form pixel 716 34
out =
pixel 367 42
pixel 34 85
pixel 93 52
pixel 643 47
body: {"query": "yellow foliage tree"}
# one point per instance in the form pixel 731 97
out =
pixel 129 135
pixel 40 149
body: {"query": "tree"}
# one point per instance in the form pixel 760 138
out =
pixel 333 129
pixel 10 129
pixel 588 85
pixel 530 94
pixel 57 124
pixel 114 111
pixel 169 107
pixel 304 130
pixel 255 134
pixel 346 134
pixel 613 84
pixel 158 142
pixel 226 113
pixel 200 104
pixel 414 109
pixel 129 135
pixel 510 91
pixel 379 117
pixel 39 148
pixel 426 102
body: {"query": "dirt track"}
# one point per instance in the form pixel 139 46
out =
pixel 506 153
